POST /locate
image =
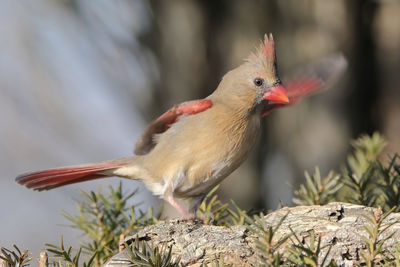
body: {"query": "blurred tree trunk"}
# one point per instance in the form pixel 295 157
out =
pixel 363 110
pixel 199 66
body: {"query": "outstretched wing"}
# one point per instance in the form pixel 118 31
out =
pixel 146 142
pixel 310 80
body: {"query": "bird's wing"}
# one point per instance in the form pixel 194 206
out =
pixel 146 142
pixel 311 79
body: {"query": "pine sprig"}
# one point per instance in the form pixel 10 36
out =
pixel 67 257
pixel 267 243
pixel 15 258
pixel 375 227
pixel 318 190
pixel 367 149
pixel 366 180
pixel 312 254
pixel 103 218
pixel 143 254
pixel 214 212
pixel 389 184
pixel 360 175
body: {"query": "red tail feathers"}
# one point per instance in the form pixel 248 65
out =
pixel 49 179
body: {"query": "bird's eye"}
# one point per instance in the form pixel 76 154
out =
pixel 258 81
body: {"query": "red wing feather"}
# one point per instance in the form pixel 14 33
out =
pixel 301 87
pixel 49 179
pixel 310 80
pixel 146 142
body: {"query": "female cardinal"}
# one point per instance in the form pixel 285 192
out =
pixel 196 144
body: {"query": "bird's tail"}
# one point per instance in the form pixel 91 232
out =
pixel 52 178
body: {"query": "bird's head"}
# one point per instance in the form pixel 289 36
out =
pixel 256 82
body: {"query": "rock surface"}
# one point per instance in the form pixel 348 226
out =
pixel 338 224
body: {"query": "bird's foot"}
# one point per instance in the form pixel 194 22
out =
pixel 207 218
pixel 191 217
pixel 186 216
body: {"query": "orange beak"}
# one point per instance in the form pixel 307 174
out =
pixel 277 95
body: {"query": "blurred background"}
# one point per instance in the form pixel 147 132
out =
pixel 80 79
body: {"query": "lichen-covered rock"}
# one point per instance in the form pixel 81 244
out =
pixel 194 242
pixel 338 224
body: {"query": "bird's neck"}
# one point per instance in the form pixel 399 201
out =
pixel 240 106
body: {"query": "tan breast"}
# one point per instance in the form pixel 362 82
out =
pixel 200 150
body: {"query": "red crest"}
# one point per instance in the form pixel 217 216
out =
pixel 269 47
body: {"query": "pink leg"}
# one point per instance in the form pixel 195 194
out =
pixel 182 211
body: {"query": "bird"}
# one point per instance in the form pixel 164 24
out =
pixel 194 145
